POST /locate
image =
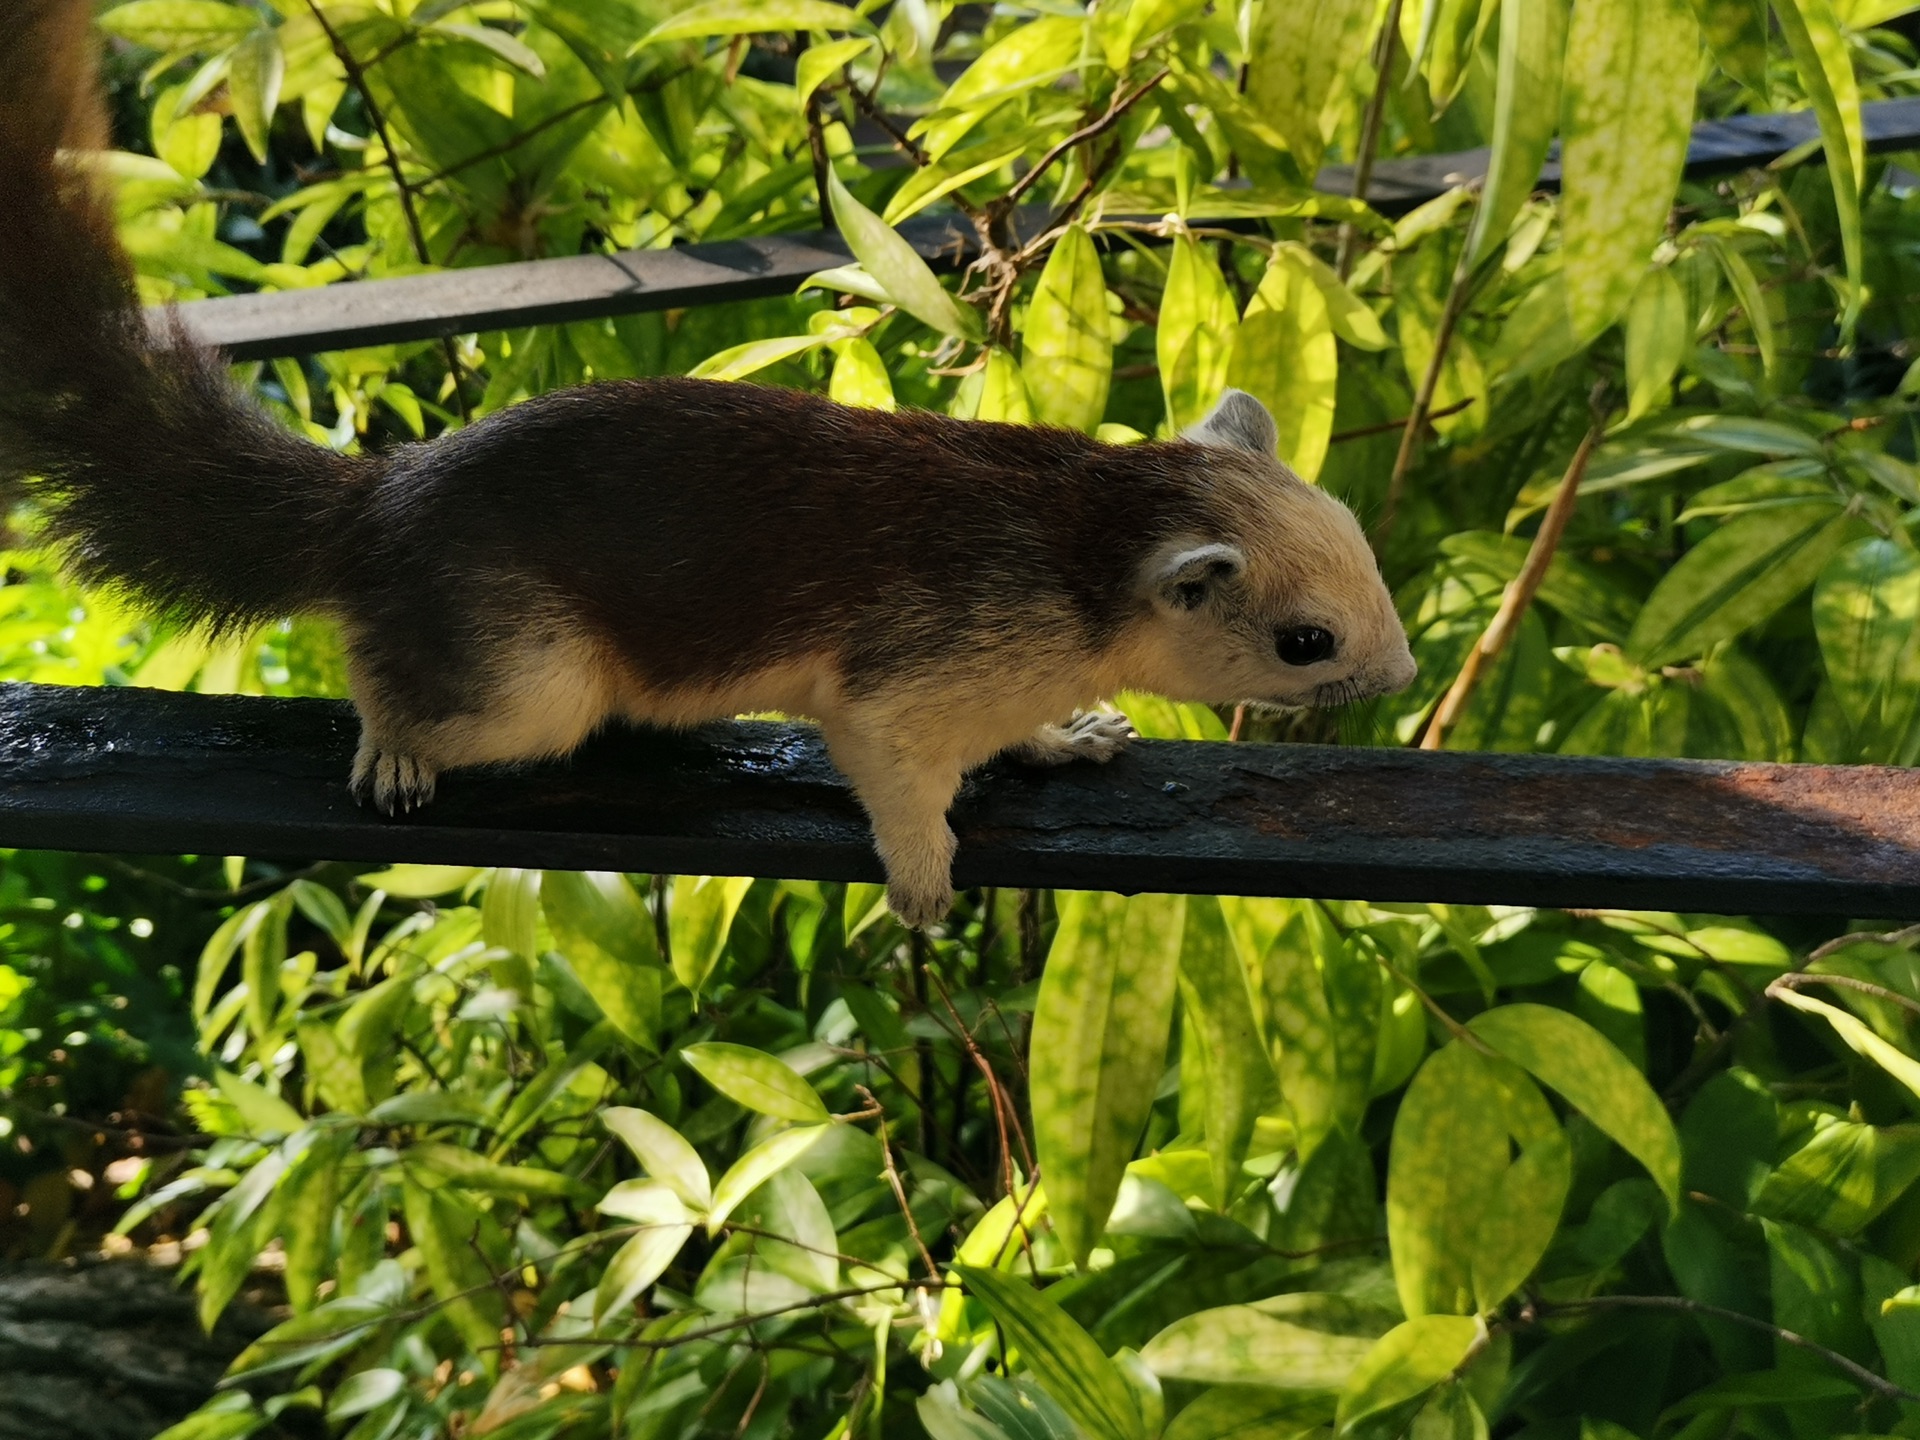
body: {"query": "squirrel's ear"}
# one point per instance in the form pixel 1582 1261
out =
pixel 1187 579
pixel 1238 422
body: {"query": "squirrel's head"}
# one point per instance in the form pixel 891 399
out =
pixel 1283 604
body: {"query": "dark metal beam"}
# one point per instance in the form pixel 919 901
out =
pixel 586 287
pixel 150 771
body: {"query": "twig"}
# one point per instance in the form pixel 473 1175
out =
pixel 357 78
pixel 1795 980
pixel 1370 134
pixel 900 1190
pixel 994 1095
pixel 1841 942
pixel 1521 590
pixel 1410 437
pixel 1385 425
pixel 1118 108
pixel 1854 1371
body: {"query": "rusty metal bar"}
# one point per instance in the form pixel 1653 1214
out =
pixel 151 771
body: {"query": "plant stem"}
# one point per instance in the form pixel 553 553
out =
pixel 1519 593
pixel 1370 133
pixel 1423 403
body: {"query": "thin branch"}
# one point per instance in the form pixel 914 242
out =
pixel 1853 1370
pixel 1410 437
pixel 1889 937
pixel 1800 978
pixel 1118 108
pixel 900 1190
pixel 1384 426
pixel 357 78
pixel 1370 133
pixel 1521 589
pixel 994 1096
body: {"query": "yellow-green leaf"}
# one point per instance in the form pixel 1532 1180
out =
pixel 1304 1342
pixel 1570 1056
pixel 1300 67
pixel 665 1226
pixel 1284 355
pixel 1866 612
pixel 1100 1031
pixel 1895 1061
pixel 1066 1360
pixel 1736 32
pixel 753 1169
pixel 1198 318
pixel 860 376
pixel 179 24
pixel 756 1080
pixel 1630 73
pixel 896 265
pixel 1533 43
pixel 818 62
pixel 1067 348
pixel 1659 334
pixel 663 1153
pixel 1220 1009
pixel 1002 390
pixel 699 921
pixel 751 17
pixel 1409 1360
pixel 1825 61
pixel 1027 56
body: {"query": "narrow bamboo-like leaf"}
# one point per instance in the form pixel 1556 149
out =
pixel 756 1080
pixel 665 1226
pixel 1866 612
pixel 179 24
pixel 308 1204
pixel 1194 339
pixel 607 936
pixel 1100 1031
pixel 1409 1360
pixel 1890 1058
pixel 736 362
pixel 1302 57
pixel 663 1151
pixel 1753 300
pixel 1313 1345
pixel 751 17
pixel 1213 990
pixel 1067 348
pixel 264 1114
pixel 1573 1058
pixel 442 1230
pixel 1533 43
pixel 449 1163
pixel 1284 355
pixel 817 64
pixel 510 48
pixel 1735 578
pixel 1659 334
pixel 1630 72
pixel 1736 31
pixel 1027 56
pixel 1843 1177
pixel 897 266
pixel 1825 62
pixel 750 1171
pixel 700 919
pixel 1448 1154
pixel 860 376
pixel 1066 1360
pixel 1003 393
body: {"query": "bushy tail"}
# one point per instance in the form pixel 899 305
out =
pixel 157 473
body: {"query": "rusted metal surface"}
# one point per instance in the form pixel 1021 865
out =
pixel 148 771
pixel 585 287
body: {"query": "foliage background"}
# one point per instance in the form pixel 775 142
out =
pixel 676 1156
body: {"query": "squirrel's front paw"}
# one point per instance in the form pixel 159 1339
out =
pixel 917 909
pixel 1096 736
pixel 390 781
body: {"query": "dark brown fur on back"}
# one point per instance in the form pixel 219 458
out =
pixel 709 528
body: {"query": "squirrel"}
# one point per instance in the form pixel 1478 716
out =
pixel 932 592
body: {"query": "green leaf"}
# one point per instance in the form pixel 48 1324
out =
pixel 1842 1178
pixel 1659 334
pixel 1824 60
pixel 1002 392
pixel 1295 1342
pixel 1866 612
pixel 751 1170
pixel 1753 300
pixel 1064 1358
pixel 860 376
pixel 1322 1006
pixel 663 1152
pixel 179 24
pixel 1220 1008
pixel 665 1225
pixel 1736 32
pixel 1067 347
pixel 365 1390
pixel 1284 355
pixel 1100 1030
pixel 1528 1196
pixel 608 938
pixel 756 1080
pixel 1896 1062
pixel 738 361
pixel 1027 56
pixel 254 77
pixel 442 1229
pixel 700 919
pixel 1194 339
pixel 309 1199
pixel 264 1114
pixel 421 882
pixel 1301 60
pixel 1533 43
pixel 507 47
pixel 1249 1414
pixel 451 1164
pixel 1630 71
pixel 1573 1058
pixel 751 17
pixel 1409 1360
pixel 1737 577
pixel 817 64
pixel 897 266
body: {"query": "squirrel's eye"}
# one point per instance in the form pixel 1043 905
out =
pixel 1304 644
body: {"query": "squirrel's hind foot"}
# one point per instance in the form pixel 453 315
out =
pixel 390 781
